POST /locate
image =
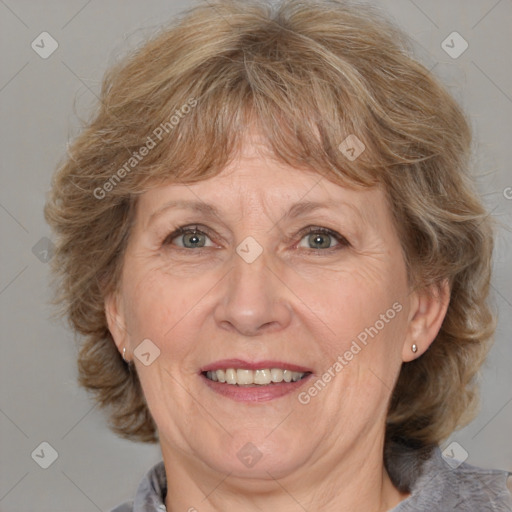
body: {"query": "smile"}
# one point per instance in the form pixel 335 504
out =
pixel 245 380
pixel 260 377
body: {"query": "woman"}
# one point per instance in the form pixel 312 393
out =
pixel 270 240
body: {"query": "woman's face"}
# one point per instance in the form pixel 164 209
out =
pixel 253 290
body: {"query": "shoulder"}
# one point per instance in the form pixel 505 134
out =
pixel 486 489
pixel 150 494
pixel 127 506
pixel 447 484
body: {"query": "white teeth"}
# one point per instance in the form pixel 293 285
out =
pixel 276 374
pixel 244 377
pixel 260 377
pixel 231 376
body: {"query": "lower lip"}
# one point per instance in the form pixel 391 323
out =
pixel 257 393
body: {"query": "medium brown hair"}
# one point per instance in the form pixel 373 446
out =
pixel 308 74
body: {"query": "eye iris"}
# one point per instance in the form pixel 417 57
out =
pixel 321 240
pixel 318 240
pixel 194 238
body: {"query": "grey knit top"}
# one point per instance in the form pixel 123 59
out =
pixel 436 484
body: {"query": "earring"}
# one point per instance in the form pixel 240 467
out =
pixel 124 354
pixel 414 348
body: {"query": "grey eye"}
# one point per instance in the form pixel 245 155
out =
pixel 189 239
pixel 194 239
pixel 320 239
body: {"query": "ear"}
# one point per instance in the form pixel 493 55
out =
pixel 427 312
pixel 116 319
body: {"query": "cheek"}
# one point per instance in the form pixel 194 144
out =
pixel 364 317
pixel 354 298
pixel 156 302
pixel 166 308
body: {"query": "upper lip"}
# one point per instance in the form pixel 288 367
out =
pixel 253 365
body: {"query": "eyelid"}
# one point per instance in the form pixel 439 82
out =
pixel 181 230
pixel 342 240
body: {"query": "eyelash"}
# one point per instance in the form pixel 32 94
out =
pixel 182 230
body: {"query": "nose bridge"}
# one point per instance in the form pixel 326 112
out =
pixel 254 299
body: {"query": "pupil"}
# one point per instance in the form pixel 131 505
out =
pixel 194 239
pixel 321 240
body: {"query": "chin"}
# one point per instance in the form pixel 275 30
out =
pixel 265 459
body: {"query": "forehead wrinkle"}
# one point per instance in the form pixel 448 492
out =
pixel 183 204
pixel 298 209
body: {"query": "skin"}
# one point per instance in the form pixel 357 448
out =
pixel 294 303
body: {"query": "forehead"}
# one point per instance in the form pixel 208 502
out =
pixel 254 182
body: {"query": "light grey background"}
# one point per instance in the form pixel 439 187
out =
pixel 39 398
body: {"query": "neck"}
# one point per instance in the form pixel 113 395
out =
pixel 356 481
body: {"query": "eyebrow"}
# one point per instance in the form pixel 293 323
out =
pixel 197 206
pixel 296 210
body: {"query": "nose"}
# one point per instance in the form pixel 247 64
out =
pixel 254 299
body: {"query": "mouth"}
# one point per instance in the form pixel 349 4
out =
pixel 254 382
pixel 261 377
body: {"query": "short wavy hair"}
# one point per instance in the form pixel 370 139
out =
pixel 307 74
